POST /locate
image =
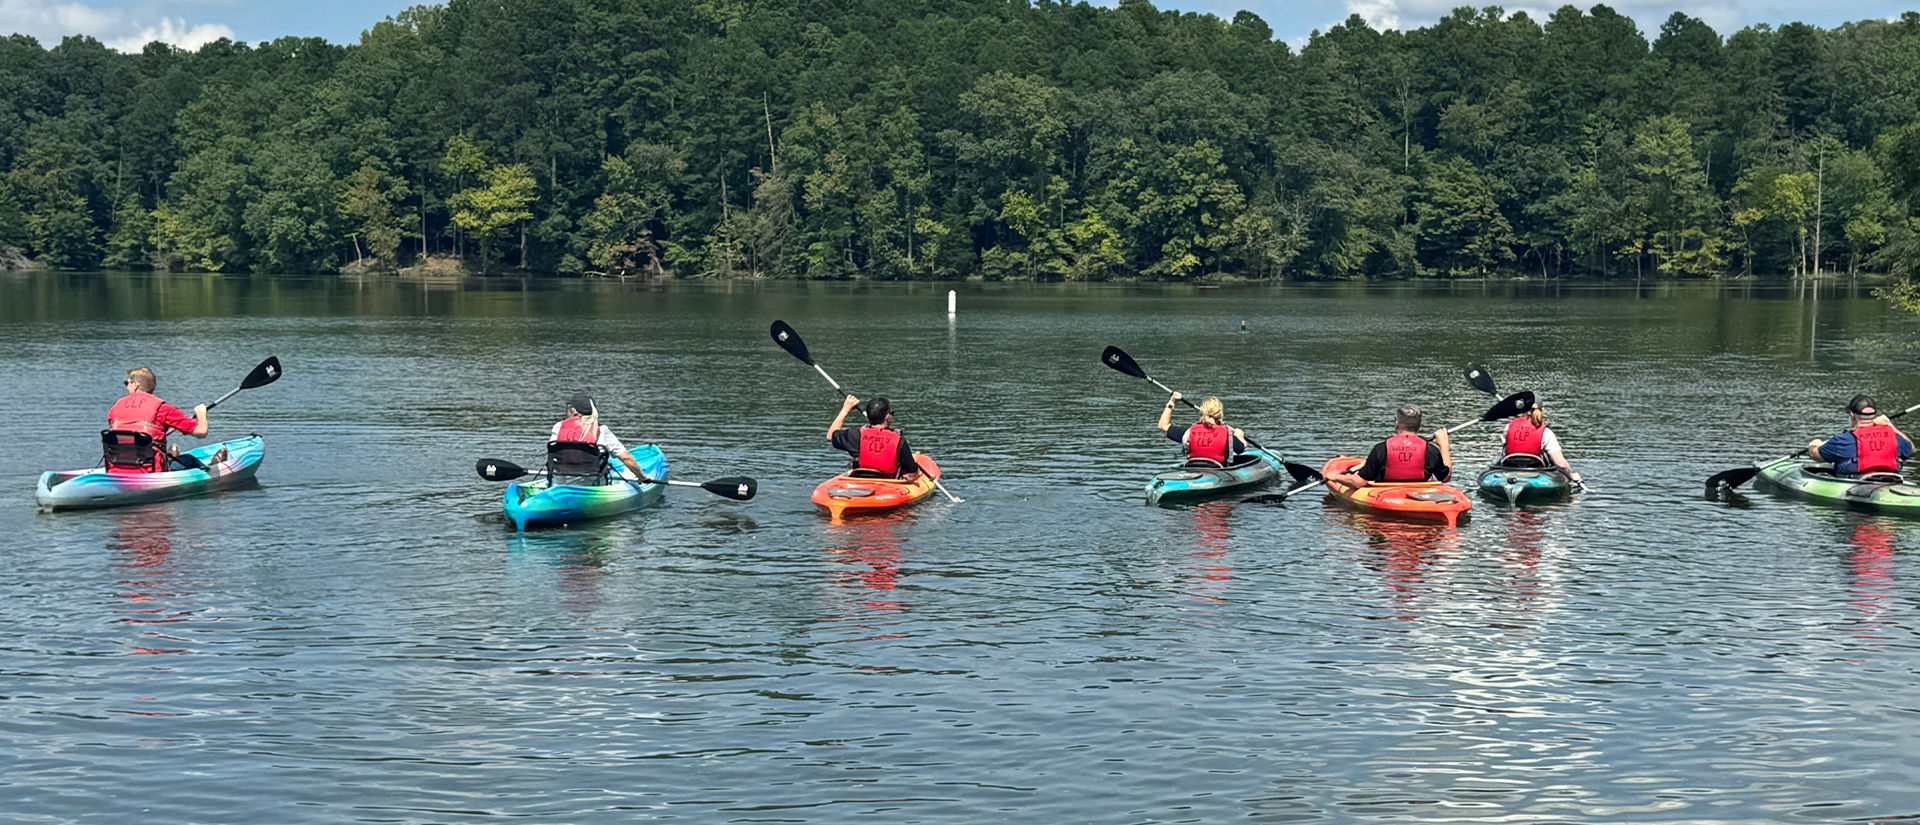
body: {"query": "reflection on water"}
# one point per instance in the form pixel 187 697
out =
pixel 369 644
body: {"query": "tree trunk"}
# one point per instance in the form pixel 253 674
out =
pixel 1819 209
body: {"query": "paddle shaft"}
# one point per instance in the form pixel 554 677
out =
pixel 230 393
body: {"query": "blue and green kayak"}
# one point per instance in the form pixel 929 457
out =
pixel 88 489
pixel 538 504
pixel 1251 469
pixel 1816 481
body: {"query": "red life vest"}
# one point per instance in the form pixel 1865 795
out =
pixel 139 413
pixel 1524 437
pixel 1209 441
pixel 880 450
pixel 1406 459
pixel 575 429
pixel 1876 448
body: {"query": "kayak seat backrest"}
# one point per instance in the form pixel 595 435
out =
pixel 865 472
pixel 576 462
pixel 1203 464
pixel 123 448
pixel 1880 478
pixel 1522 461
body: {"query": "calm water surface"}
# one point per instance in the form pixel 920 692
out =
pixel 362 639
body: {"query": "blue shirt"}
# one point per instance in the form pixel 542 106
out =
pixel 1844 453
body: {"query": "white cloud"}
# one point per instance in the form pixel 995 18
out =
pixel 50 20
pixel 1725 16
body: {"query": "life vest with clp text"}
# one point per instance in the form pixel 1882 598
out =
pixel 1406 459
pixel 880 450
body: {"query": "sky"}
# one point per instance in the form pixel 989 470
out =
pixel 129 24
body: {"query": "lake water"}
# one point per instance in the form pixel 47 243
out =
pixel 361 638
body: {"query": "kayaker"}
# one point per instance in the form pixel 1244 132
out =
pixel 140 412
pixel 877 446
pixel 1529 435
pixel 1208 439
pixel 582 426
pixel 1404 457
pixel 1871 444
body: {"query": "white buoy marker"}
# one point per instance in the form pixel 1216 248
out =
pixel 953 301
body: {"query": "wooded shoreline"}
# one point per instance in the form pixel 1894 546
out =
pixel 994 139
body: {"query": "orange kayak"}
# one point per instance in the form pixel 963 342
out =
pixel 1426 500
pixel 857 495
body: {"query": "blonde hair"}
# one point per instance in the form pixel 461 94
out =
pixel 142 377
pixel 1538 415
pixel 1211 410
pixel 590 419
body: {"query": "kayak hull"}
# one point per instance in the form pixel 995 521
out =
pixel 538 504
pixel 843 496
pixel 1516 485
pixel 96 488
pixel 1186 484
pixel 1421 501
pixel 1804 478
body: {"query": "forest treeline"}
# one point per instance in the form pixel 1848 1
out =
pixel 949 138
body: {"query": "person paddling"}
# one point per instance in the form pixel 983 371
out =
pixel 1871 444
pixel 582 426
pixel 877 446
pixel 1528 436
pixel 1208 439
pixel 1405 457
pixel 135 440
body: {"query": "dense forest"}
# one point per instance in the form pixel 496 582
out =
pixel 990 138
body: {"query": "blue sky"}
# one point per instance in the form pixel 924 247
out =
pixel 129 23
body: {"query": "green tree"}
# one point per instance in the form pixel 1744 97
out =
pixel 498 202
pixel 1461 228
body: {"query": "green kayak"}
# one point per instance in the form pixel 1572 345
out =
pixel 1814 480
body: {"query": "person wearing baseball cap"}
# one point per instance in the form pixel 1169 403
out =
pixel 1871 444
pixel 582 426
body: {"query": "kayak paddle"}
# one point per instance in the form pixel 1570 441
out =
pixel 1516 404
pixel 1305 477
pixel 1118 359
pixel 1730 479
pixel 789 339
pixel 738 489
pixel 266 373
pixel 1481 379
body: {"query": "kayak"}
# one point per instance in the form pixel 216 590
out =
pixel 1425 500
pixel 1253 468
pixel 539 504
pixel 1809 479
pixel 1516 485
pixel 847 495
pixel 84 489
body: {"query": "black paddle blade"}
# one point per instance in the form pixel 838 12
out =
pixel 1731 478
pixel 790 341
pixel 493 469
pixel 1481 379
pixel 1118 359
pixel 267 373
pixel 1519 403
pixel 1301 472
pixel 738 489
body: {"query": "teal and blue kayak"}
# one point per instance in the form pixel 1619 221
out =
pixel 1523 485
pixel 1814 480
pixel 87 489
pixel 1252 469
pixel 538 504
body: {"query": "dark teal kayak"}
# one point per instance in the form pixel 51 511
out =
pixel 1524 485
pixel 1254 468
